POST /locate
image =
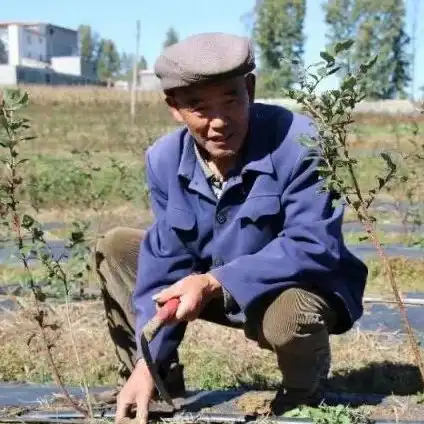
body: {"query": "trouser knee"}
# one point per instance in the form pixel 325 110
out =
pixel 296 325
pixel 120 244
pixel 119 248
pixel 296 319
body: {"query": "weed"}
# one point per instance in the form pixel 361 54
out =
pixel 332 113
pixel 339 414
pixel 15 132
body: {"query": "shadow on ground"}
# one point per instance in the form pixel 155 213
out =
pixel 380 378
pixel 383 378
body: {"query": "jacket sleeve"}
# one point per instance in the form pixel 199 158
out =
pixel 309 243
pixel 162 261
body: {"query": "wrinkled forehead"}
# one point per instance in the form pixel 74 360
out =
pixel 197 93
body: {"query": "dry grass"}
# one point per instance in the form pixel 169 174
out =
pixel 43 95
pixel 215 357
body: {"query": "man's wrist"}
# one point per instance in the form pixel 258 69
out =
pixel 214 286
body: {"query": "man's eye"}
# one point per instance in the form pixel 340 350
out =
pixel 199 108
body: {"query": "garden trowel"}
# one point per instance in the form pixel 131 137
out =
pixel 163 315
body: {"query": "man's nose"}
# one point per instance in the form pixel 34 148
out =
pixel 218 120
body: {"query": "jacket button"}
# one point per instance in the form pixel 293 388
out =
pixel 221 218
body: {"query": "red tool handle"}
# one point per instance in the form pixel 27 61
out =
pixel 164 314
pixel 168 310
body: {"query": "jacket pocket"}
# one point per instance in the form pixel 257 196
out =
pixel 258 208
pixel 180 219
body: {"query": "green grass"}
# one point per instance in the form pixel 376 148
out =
pixel 60 181
pixel 408 274
pixel 68 122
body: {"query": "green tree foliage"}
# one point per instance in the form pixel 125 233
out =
pixel 278 33
pixel 378 28
pixel 108 60
pixel 4 55
pixel 88 43
pixel 171 37
pixel 341 17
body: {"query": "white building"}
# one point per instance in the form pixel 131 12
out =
pixel 42 53
pixel 147 81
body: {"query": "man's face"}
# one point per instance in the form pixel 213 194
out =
pixel 216 114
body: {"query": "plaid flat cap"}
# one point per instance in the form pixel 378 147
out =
pixel 204 57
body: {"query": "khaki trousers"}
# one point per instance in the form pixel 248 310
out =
pixel 295 324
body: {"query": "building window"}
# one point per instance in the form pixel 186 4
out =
pixel 29 39
pixel 40 40
pixel 29 54
pixel 41 57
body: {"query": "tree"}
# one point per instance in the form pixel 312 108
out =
pixel 278 33
pixel 108 60
pixel 377 28
pixel 341 17
pixel 88 43
pixel 127 63
pixel 4 55
pixel 171 38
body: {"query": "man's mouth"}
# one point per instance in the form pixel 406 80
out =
pixel 221 139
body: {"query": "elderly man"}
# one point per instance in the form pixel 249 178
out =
pixel 242 235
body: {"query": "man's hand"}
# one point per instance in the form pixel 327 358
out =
pixel 194 292
pixel 139 390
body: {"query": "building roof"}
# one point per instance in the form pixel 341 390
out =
pixel 26 24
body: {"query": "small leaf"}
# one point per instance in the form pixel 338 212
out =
pixel 23 101
pixel 334 70
pixel 386 157
pixel 369 64
pixel 327 57
pixel 22 161
pixel 14 99
pixel 343 46
pixel 27 221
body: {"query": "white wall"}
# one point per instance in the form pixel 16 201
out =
pixel 67 65
pixel 7 75
pixel 33 63
pixel 14 35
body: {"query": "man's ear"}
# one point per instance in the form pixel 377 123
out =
pixel 170 101
pixel 250 86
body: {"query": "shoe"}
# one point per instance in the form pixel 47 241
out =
pixel 288 399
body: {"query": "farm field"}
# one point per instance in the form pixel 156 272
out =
pixel 86 163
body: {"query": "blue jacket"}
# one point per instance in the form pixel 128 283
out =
pixel 270 229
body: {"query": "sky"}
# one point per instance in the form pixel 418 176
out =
pixel 118 22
